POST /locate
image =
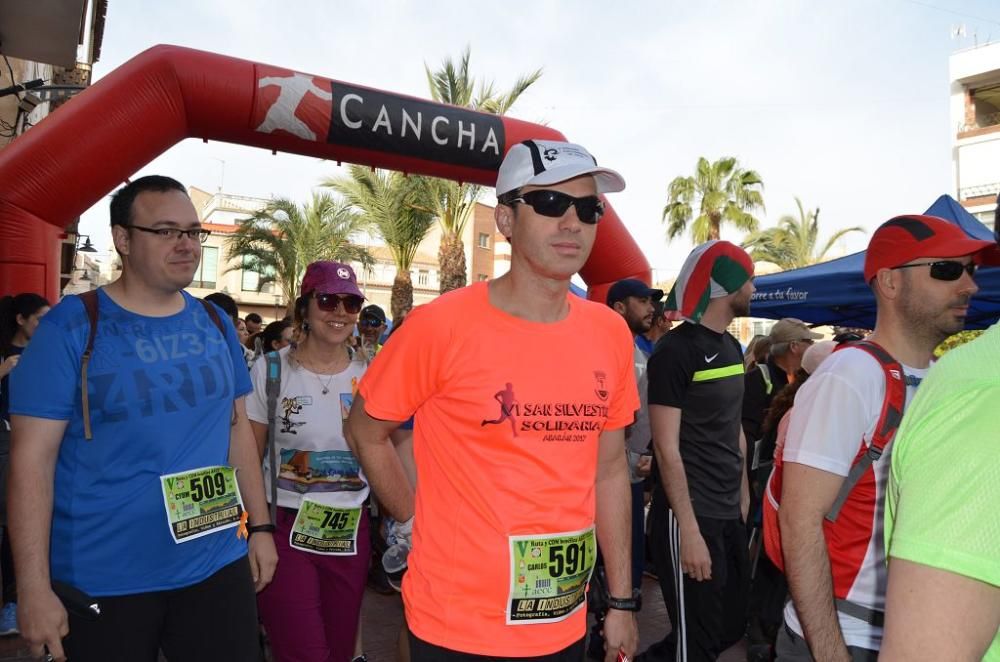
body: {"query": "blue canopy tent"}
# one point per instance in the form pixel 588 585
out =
pixel 835 292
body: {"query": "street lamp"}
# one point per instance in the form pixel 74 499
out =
pixel 87 247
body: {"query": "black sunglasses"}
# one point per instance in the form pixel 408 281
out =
pixel 370 322
pixel 329 302
pixel 945 269
pixel 554 204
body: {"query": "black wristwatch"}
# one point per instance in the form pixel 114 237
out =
pixel 626 604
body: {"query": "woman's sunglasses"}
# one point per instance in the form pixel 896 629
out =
pixel 554 204
pixel 329 302
pixel 945 269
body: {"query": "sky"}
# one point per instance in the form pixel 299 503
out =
pixel 843 104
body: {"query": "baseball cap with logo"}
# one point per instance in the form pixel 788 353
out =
pixel 906 238
pixel 329 277
pixel 632 287
pixel 542 162
pixel 790 329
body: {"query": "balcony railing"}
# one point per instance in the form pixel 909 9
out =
pixel 979 191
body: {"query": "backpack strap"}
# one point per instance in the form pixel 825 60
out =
pixel 272 388
pixel 90 304
pixel 888 421
pixel 89 299
pixel 866 614
pixel 213 313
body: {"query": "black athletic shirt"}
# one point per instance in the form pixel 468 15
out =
pixel 700 372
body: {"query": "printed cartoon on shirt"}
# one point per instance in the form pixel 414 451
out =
pixel 290 407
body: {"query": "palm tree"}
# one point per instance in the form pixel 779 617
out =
pixel 722 192
pixel 453 202
pixel 792 242
pixel 397 206
pixel 279 241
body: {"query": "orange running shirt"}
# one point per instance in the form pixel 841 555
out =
pixel 508 414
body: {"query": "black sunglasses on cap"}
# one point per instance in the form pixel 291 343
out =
pixel 554 204
pixel 329 302
pixel 370 322
pixel 945 269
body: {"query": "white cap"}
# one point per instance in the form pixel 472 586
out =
pixel 541 162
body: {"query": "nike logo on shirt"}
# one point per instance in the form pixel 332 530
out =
pixel 709 359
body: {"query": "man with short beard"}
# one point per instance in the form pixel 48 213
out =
pixel 635 301
pixel 920 269
pixel 662 322
pixel 695 401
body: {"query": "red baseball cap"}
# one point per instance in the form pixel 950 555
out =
pixel 906 238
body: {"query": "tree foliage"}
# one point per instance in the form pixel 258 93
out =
pixel 281 240
pixel 453 202
pixel 721 192
pixel 956 340
pixel 792 243
pixel 399 208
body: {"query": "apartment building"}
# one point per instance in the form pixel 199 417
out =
pixel 975 128
pixel 221 213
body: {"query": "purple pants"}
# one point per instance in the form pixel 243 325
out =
pixel 311 608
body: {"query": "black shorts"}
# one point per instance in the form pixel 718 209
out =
pixel 421 651
pixel 4 468
pixel 214 620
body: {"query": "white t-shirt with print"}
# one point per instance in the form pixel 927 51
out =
pixel 314 458
pixel 834 410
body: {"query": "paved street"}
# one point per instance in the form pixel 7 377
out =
pixel 383 616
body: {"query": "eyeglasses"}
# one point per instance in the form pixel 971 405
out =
pixel 329 302
pixel 370 322
pixel 196 234
pixel 554 204
pixel 945 269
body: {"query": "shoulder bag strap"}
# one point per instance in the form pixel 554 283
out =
pixel 273 387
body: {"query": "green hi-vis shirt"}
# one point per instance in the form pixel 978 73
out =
pixel 943 502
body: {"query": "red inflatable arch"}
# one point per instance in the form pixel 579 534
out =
pixel 87 148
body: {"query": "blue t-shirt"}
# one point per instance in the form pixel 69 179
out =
pixel 161 398
pixel 644 344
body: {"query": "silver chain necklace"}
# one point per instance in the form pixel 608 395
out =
pixel 325 385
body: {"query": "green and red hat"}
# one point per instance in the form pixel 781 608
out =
pixel 712 270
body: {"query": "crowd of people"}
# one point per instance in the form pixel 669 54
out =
pixel 186 482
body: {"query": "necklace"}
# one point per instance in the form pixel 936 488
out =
pixel 334 369
pixel 326 386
